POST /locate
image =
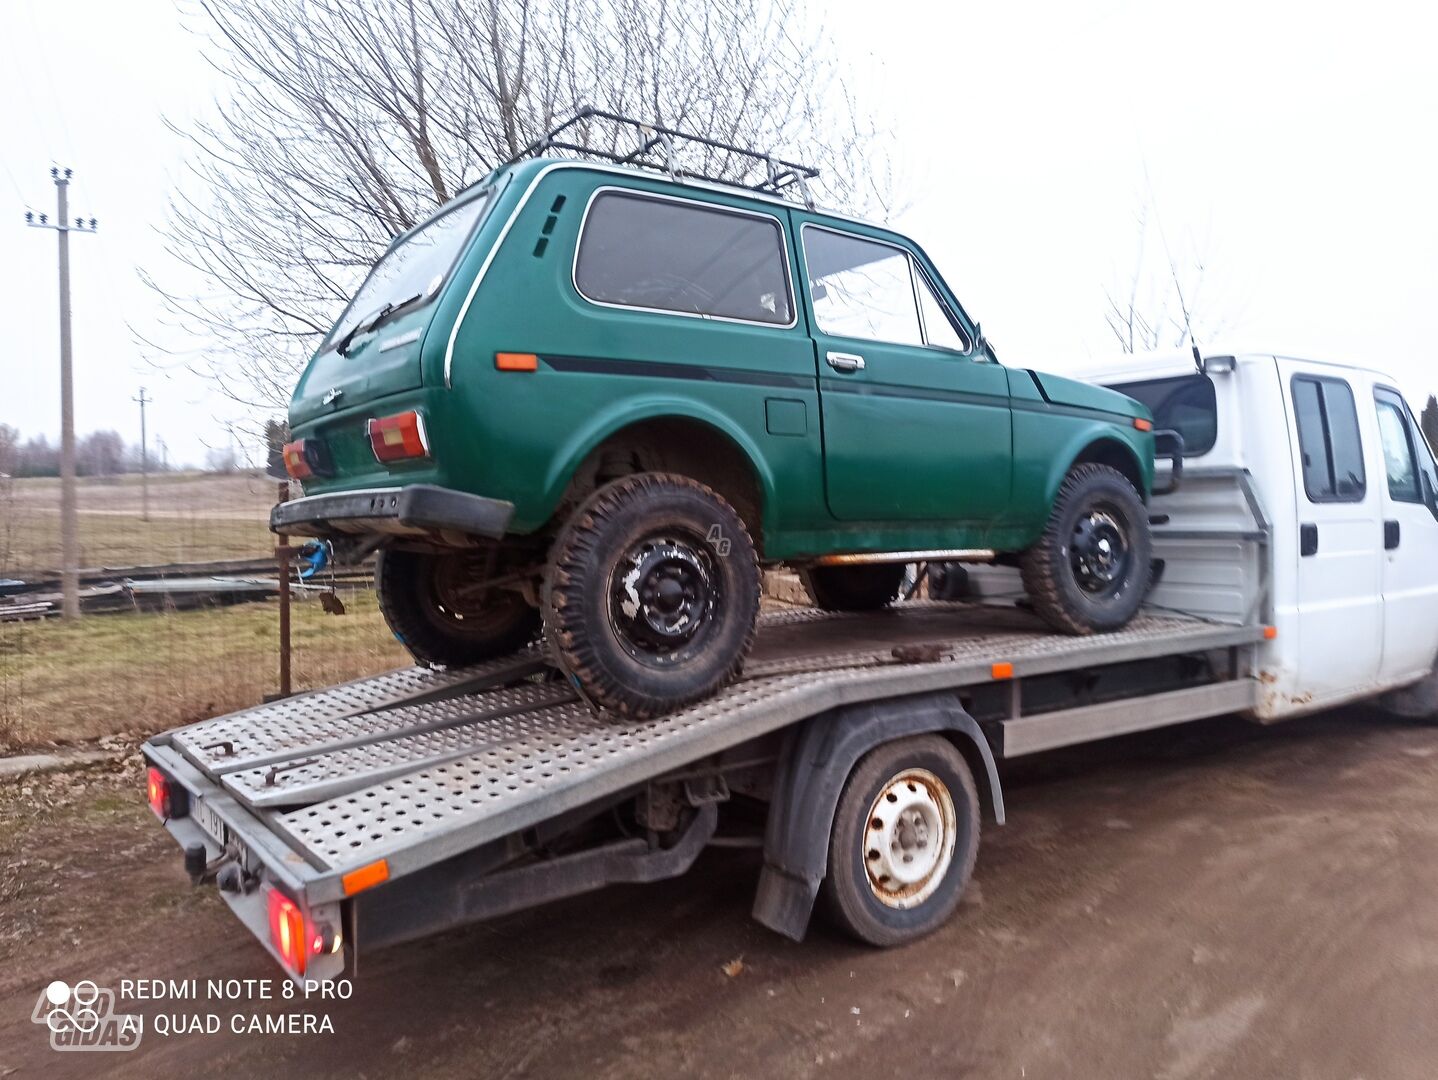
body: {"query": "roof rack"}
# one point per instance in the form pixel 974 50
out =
pixel 779 175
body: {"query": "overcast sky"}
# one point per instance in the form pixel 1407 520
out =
pixel 1293 155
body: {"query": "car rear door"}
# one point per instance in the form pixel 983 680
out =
pixel 1340 559
pixel 1410 542
pixel 916 427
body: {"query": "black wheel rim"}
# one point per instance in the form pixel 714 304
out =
pixel 664 598
pixel 465 603
pixel 1100 551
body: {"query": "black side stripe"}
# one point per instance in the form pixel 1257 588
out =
pixel 661 370
pixel 656 369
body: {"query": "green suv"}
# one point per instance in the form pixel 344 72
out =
pixel 592 400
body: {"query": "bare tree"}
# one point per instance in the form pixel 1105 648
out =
pixel 1166 302
pixel 350 120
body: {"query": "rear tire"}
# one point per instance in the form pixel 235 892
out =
pixel 863 587
pixel 1090 570
pixel 651 594
pixel 904 841
pixel 422 599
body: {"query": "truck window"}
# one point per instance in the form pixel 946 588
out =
pixel 671 255
pixel 1400 457
pixel 861 288
pixel 1328 440
pixel 1186 404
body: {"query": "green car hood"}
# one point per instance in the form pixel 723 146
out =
pixel 1081 395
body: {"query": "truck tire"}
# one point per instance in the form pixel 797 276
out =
pixel 1090 570
pixel 421 598
pixel 651 594
pixel 865 587
pixel 904 841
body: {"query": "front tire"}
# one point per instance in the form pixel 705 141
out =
pixel 652 593
pixel 862 587
pixel 432 608
pixel 1090 570
pixel 904 841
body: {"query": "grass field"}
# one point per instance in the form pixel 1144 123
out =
pixel 193 517
pixel 69 682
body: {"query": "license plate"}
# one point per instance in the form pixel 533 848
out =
pixel 210 822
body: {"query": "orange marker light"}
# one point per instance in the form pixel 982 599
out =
pixel 516 361
pixel 366 877
pixel 1142 424
pixel 1269 633
pixel 1003 671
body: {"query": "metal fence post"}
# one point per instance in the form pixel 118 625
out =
pixel 283 551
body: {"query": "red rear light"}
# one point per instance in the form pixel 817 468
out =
pixel 167 799
pixel 295 463
pixel 399 437
pixel 287 932
pixel 157 790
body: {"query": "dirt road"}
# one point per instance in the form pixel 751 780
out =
pixel 1217 901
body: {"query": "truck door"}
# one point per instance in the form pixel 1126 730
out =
pixel 915 427
pixel 1410 543
pixel 1340 563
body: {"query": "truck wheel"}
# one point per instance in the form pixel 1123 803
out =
pixel 1089 572
pixel 865 587
pixel 428 602
pixel 651 594
pixel 904 842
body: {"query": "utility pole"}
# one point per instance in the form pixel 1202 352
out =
pixel 144 459
pixel 69 536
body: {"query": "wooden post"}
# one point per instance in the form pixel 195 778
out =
pixel 283 551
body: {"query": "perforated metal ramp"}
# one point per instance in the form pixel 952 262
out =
pixel 375 776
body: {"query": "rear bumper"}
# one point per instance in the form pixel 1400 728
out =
pixel 414 510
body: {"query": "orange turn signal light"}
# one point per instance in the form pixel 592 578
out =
pixel 1003 670
pixel 1142 424
pixel 295 463
pixel 516 361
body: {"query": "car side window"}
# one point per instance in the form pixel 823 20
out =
pixel 939 328
pixel 1400 458
pixel 672 255
pixel 861 288
pixel 1329 440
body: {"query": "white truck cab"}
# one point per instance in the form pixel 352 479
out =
pixel 1350 490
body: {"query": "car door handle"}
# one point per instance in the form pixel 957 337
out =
pixel 846 362
pixel 1392 535
pixel 1307 540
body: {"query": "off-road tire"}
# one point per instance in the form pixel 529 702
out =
pixel 848 893
pixel 586 629
pixel 1048 575
pixel 408 586
pixel 864 587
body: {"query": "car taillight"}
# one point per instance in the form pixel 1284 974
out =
pixel 295 463
pixel 398 437
pixel 166 799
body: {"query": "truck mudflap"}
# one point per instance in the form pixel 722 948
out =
pixel 416 509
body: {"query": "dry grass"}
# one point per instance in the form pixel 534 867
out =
pixel 193 516
pixel 70 682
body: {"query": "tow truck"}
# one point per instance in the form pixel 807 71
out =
pixel 1295 570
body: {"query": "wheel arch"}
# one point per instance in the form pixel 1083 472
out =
pixel 816 762
pixel 669 436
pixel 1103 449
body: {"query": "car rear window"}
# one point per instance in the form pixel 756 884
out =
pixel 640 251
pixel 1184 403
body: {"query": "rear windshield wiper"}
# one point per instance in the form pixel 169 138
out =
pixel 374 322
